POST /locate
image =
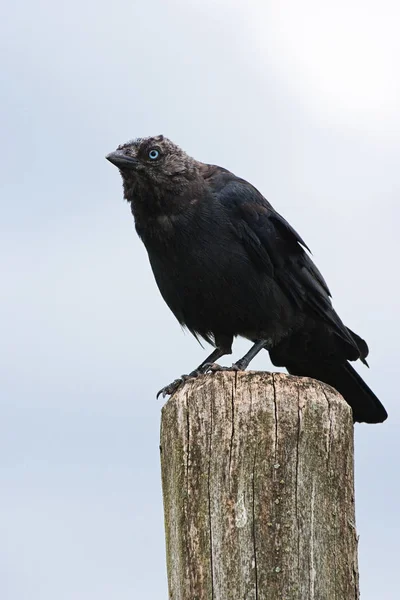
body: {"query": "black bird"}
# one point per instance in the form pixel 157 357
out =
pixel 227 264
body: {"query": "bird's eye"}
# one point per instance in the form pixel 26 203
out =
pixel 153 154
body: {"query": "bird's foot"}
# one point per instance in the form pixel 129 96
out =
pixel 171 388
pixel 214 367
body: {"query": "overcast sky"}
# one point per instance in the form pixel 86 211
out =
pixel 302 99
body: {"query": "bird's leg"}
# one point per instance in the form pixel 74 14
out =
pixel 202 368
pixel 215 355
pixel 243 363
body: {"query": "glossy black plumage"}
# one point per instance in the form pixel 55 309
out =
pixel 228 264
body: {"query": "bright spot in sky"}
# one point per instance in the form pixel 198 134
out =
pixel 342 56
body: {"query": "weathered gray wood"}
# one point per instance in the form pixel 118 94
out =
pixel 257 472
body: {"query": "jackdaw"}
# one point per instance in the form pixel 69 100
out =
pixel 227 264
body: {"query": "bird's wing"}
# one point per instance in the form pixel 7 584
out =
pixel 278 250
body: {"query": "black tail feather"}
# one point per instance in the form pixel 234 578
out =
pixel 366 406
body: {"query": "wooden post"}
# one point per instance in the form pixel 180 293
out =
pixel 257 473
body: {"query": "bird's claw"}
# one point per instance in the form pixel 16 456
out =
pixel 215 367
pixel 171 388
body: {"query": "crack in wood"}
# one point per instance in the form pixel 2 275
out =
pixel 296 499
pixel 254 524
pixel 276 418
pixel 233 393
pixel 209 500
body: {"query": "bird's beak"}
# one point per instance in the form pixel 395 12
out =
pixel 121 160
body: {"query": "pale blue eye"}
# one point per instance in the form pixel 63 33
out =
pixel 153 154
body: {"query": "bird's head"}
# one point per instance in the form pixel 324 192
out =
pixel 155 163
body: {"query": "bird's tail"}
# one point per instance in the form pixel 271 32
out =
pixel 341 376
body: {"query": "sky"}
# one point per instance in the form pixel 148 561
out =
pixel 302 100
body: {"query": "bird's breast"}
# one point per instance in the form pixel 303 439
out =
pixel 207 278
